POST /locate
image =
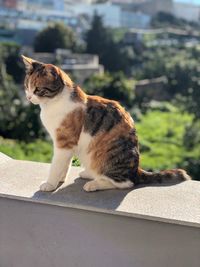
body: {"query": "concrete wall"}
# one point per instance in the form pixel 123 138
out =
pixel 33 234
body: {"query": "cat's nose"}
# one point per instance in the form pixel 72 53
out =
pixel 29 97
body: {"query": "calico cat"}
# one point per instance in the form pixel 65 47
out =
pixel 99 131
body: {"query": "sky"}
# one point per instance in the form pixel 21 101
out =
pixel 189 1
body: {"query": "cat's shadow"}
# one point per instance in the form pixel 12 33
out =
pixel 74 195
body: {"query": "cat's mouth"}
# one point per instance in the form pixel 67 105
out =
pixel 33 101
pixel 32 98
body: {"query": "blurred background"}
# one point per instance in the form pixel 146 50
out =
pixel 143 53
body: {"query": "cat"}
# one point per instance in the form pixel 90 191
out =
pixel 99 131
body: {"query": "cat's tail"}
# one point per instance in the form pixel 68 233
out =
pixel 168 176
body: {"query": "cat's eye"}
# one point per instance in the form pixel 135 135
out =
pixel 41 91
pixel 36 90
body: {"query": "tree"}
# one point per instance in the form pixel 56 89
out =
pixel 98 37
pixel 17 120
pixel 163 19
pixel 111 86
pixel 192 143
pixel 55 36
pixel 9 54
pixel 100 41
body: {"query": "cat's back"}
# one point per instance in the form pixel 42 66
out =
pixel 103 115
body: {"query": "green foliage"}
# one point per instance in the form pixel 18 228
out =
pixel 118 34
pixel 9 56
pixel 192 143
pixel 98 37
pixel 182 72
pixel 165 141
pixel 8 95
pixel 17 120
pixel 76 162
pixel 38 150
pixel 114 86
pixel 101 41
pixel 163 19
pixel 55 36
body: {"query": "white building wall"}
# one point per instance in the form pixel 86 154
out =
pixel 111 14
pixel 135 20
pixel 59 5
pixel 30 24
pixel 189 12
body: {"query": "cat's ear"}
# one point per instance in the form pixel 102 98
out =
pixel 65 78
pixel 30 63
pixel 54 72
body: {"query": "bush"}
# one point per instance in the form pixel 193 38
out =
pixel 100 41
pixel 38 150
pixel 9 56
pixel 55 36
pixel 111 86
pixel 17 119
pixel 162 142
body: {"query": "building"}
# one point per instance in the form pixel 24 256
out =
pixel 114 15
pixel 11 4
pixel 150 7
pixel 41 4
pixel 190 12
pixel 153 89
pixel 78 66
pixel 111 14
pixel 28 19
pixel 135 20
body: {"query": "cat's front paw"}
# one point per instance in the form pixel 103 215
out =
pixel 46 187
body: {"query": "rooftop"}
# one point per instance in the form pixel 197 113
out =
pixel 175 204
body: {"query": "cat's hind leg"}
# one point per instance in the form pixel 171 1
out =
pixel 98 184
pixel 85 174
pixel 104 183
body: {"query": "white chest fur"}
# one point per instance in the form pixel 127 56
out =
pixel 55 111
pixel 82 149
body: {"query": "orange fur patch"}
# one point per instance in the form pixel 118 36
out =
pixel 69 131
pixel 66 79
pixel 79 95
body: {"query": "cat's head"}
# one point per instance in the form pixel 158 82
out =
pixel 43 82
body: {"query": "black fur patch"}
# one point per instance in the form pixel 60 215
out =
pixel 123 160
pixel 101 118
pixel 74 94
pixel 49 91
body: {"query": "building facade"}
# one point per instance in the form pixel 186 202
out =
pixel 190 12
